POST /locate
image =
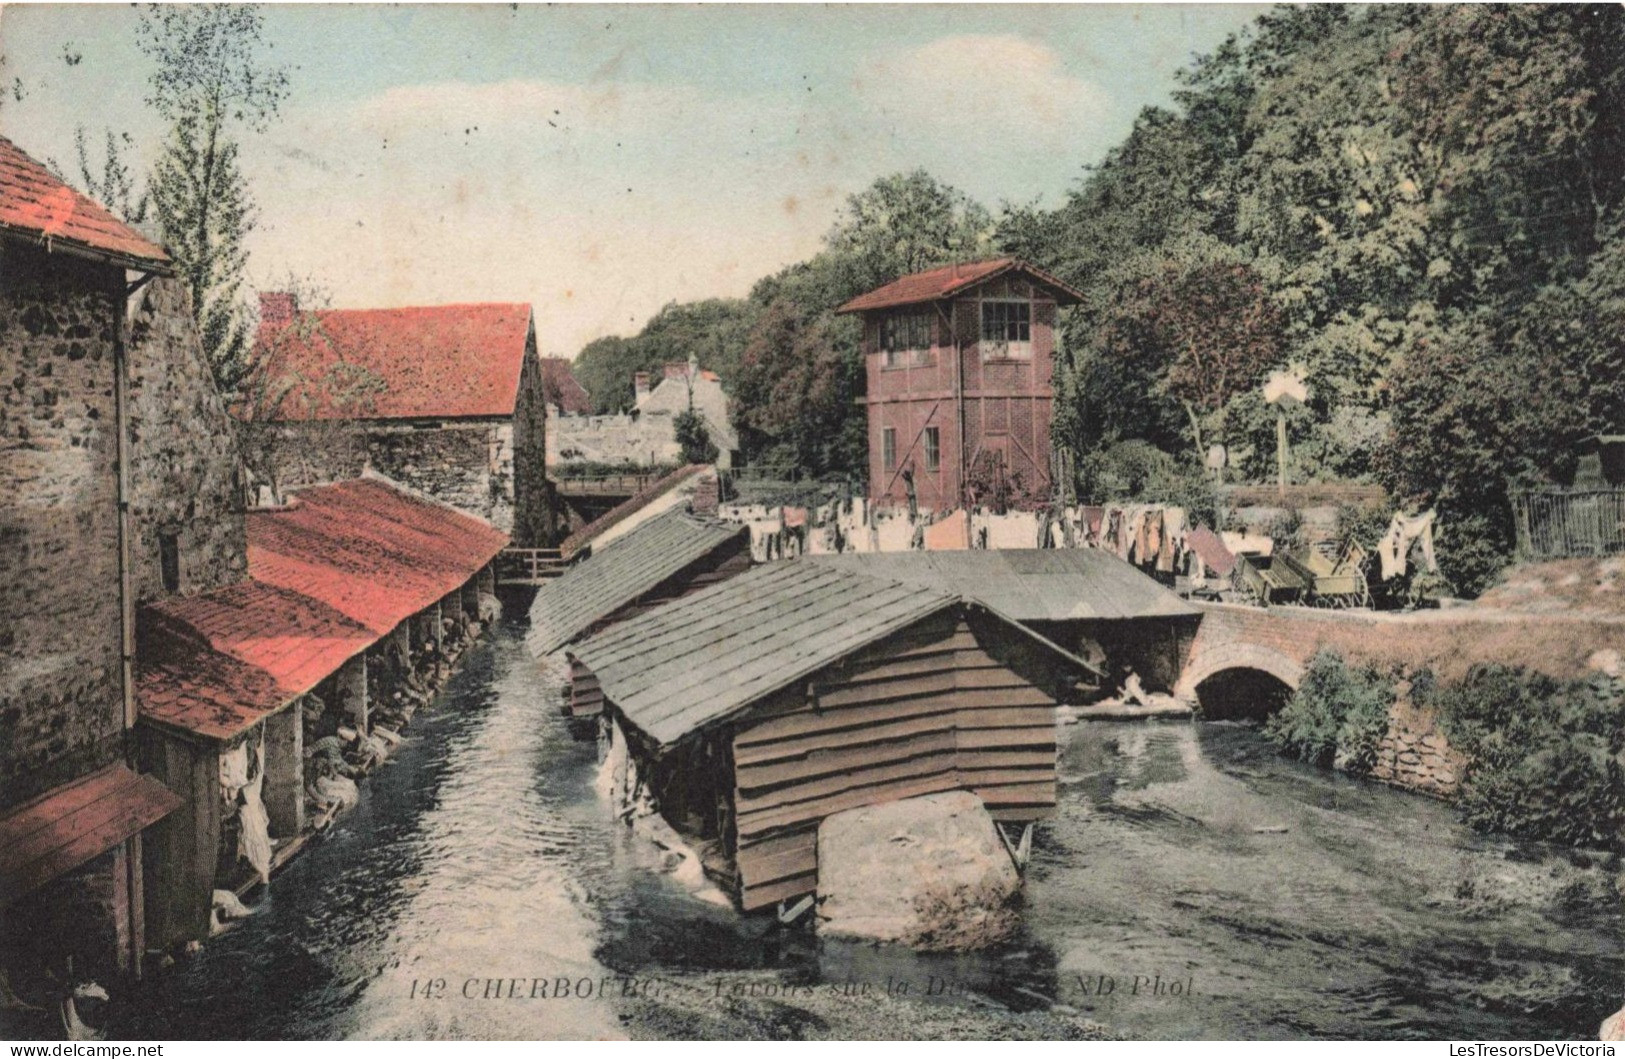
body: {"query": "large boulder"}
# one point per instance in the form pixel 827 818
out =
pixel 928 872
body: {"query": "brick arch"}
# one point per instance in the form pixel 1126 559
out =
pixel 1216 660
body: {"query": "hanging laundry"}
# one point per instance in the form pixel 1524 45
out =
pixel 1093 518
pixel 1211 552
pixel 949 534
pixel 1393 551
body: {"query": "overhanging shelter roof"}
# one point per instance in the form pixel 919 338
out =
pixel 370 550
pixel 64 828
pixel 700 659
pixel 608 580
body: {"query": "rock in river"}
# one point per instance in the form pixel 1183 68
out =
pixel 928 872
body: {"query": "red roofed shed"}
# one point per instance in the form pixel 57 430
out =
pixel 337 571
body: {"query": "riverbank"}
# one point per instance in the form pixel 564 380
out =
pixel 482 851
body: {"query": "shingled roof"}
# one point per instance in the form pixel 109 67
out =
pixel 1028 584
pixel 437 361
pixel 38 206
pixel 634 566
pixel 700 659
pixel 950 280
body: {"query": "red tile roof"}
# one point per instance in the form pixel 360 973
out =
pixel 439 361
pixel 329 576
pixel 563 388
pixel 294 639
pixel 55 833
pixel 36 204
pixel 371 551
pixel 945 282
pixel 181 682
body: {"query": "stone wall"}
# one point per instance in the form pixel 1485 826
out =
pixel 468 463
pixel 185 469
pixel 61 706
pixel 1415 755
pixel 645 440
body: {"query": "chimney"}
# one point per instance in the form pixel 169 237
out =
pixel 277 308
pixel 640 386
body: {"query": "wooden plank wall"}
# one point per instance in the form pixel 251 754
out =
pixel 927 710
pixel 179 851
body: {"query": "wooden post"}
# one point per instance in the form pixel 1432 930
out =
pixel 353 690
pixel 285 771
pixel 1280 448
pixel 439 639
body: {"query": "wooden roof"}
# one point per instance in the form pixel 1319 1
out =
pixel 1029 584
pixel 950 281
pixel 62 829
pixel 608 580
pixel 703 658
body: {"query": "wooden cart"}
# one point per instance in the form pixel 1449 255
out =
pixel 1266 579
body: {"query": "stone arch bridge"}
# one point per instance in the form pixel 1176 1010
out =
pixel 1269 647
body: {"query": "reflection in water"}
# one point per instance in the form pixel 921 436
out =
pixel 1293 902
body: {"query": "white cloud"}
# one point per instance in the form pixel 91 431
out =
pixel 983 94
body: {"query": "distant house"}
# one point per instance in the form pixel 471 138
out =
pixel 565 394
pixel 959 362
pixel 685 386
pixel 647 435
pixel 447 399
pixel 751 711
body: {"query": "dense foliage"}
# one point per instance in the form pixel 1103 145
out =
pixel 1545 754
pixel 1419 206
pixel 1337 716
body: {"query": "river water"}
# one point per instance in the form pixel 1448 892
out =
pixel 1192 885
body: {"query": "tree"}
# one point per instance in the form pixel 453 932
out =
pixel 1206 333
pixel 211 83
pixel 115 187
pixel 693 437
pixel 906 223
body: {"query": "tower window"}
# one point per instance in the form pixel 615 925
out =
pixel 933 453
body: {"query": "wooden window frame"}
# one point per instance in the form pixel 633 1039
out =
pixel 1006 348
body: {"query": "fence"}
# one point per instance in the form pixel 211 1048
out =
pixel 529 566
pixel 1569 523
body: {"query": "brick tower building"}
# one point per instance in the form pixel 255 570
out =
pixel 959 361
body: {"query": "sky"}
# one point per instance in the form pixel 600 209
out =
pixel 599 162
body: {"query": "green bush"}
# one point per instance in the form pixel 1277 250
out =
pixel 1139 471
pixel 1544 754
pixel 1337 716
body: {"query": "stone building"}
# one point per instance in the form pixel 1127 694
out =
pixel 959 362
pixel 117 485
pixel 647 435
pixel 449 400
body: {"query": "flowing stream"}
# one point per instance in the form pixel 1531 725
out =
pixel 1193 884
